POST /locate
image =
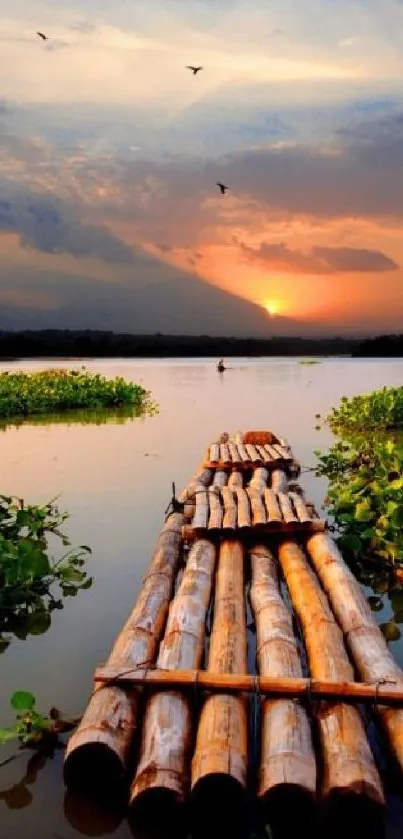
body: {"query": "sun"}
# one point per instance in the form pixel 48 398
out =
pixel 272 307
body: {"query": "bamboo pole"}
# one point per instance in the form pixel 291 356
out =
pixel 272 507
pixel 272 452
pixel 220 478
pixel 286 508
pixel 241 448
pixel 264 454
pixel 201 515
pixel 300 507
pixel 230 509
pixel 279 481
pixel 203 477
pixel 282 452
pixel 235 457
pixel 257 506
pixel 225 456
pixel 215 452
pixel 98 751
pixel 216 510
pixel 259 479
pixel 349 772
pixel 243 507
pixel 288 765
pixel 275 687
pixel 235 479
pixel 219 765
pixel 367 645
pixel 161 779
pixel 253 453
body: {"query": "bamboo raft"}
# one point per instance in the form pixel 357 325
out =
pixel 168 717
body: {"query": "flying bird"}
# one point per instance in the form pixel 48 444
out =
pixel 194 69
pixel 222 187
pixel 44 37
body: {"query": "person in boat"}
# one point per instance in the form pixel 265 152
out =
pixel 221 365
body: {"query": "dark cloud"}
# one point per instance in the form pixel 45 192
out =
pixel 319 260
pixel 47 225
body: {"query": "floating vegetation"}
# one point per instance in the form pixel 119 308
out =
pixel 380 409
pixel 365 471
pixel 365 495
pixel 32 728
pixel 23 394
pixel 307 361
pixel 31 582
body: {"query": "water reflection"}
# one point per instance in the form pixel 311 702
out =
pixel 79 416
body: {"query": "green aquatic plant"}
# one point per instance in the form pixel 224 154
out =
pixel 23 394
pixel 31 581
pixel 308 361
pixel 365 495
pixel 31 728
pixel 380 409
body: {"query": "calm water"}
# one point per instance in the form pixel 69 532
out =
pixel 115 481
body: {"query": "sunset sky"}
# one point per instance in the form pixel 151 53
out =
pixel 110 150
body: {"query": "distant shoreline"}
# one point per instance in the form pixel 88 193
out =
pixel 79 345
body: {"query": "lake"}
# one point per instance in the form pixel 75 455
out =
pixel 115 481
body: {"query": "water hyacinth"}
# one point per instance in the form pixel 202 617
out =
pixel 379 409
pixel 23 394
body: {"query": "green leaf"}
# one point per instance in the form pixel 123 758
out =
pixel 351 543
pixel 22 700
pixel 363 511
pixel 7 734
pixel 71 575
pixel 396 484
pixel 88 583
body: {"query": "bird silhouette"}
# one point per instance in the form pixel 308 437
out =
pixel 222 187
pixel 194 69
pixel 44 37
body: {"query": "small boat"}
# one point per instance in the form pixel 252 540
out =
pixel 221 366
